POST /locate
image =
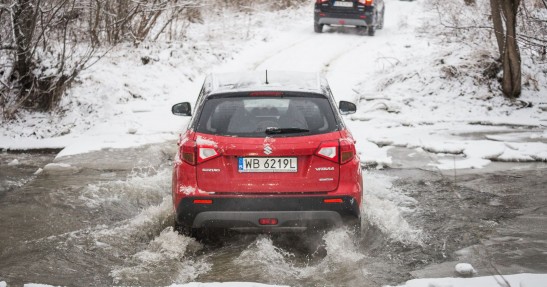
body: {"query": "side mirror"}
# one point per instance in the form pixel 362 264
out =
pixel 347 108
pixel 182 109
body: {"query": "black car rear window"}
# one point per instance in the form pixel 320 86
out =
pixel 248 116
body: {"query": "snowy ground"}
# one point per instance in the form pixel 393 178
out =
pixel 410 87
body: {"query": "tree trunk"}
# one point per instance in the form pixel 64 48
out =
pixel 506 37
pixel 511 83
pixel 24 24
pixel 498 25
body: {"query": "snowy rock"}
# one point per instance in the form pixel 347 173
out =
pixel 465 270
pixel 13 162
pixel 3 284
pixel 39 171
pixel 132 131
pixel 60 168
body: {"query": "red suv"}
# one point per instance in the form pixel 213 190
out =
pixel 266 152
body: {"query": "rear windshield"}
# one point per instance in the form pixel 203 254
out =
pixel 266 116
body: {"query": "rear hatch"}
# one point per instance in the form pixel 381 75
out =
pixel 268 165
pixel 342 6
pixel 267 142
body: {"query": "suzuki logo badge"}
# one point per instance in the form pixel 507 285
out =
pixel 268 149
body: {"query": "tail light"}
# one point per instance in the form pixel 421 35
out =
pixel 347 151
pixel 321 1
pixel 206 153
pixel 341 151
pixel 328 150
pixel 194 154
pixel 188 152
pixel 366 2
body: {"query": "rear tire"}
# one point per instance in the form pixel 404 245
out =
pixel 371 30
pixel 318 28
pixel 381 24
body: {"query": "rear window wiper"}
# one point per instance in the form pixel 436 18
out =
pixel 276 131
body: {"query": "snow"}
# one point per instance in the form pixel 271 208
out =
pixel 226 284
pixel 3 284
pixel 411 93
pixel 60 168
pixel 465 269
pixel 215 284
pixel 524 280
pixel 408 85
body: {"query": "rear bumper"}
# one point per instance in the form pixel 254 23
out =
pixel 344 19
pixel 243 214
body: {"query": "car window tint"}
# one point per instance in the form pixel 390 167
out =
pixel 251 116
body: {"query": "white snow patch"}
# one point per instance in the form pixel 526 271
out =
pixel 187 190
pixel 465 269
pixel 444 147
pixel 200 140
pixel 226 284
pixel 522 280
pixel 193 284
pixel 3 284
pixel 371 154
pixel 532 151
pixel 478 154
pixel 14 162
pixel 60 168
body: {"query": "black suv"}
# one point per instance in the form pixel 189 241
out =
pixel 358 13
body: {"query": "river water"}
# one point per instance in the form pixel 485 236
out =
pixel 104 218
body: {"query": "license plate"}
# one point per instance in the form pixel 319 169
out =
pixel 343 4
pixel 267 164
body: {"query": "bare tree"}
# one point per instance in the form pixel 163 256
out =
pixel 504 18
pixel 49 42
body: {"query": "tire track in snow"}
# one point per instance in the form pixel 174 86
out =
pixel 340 55
pixel 277 52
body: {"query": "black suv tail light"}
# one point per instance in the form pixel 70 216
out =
pixel 366 2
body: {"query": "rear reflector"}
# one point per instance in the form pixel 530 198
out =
pixel 268 221
pixel 333 200
pixel 203 201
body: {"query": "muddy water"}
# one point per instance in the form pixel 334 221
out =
pixel 106 220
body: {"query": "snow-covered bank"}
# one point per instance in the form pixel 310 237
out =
pixel 527 280
pixel 411 89
pixel 122 102
pixel 224 284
